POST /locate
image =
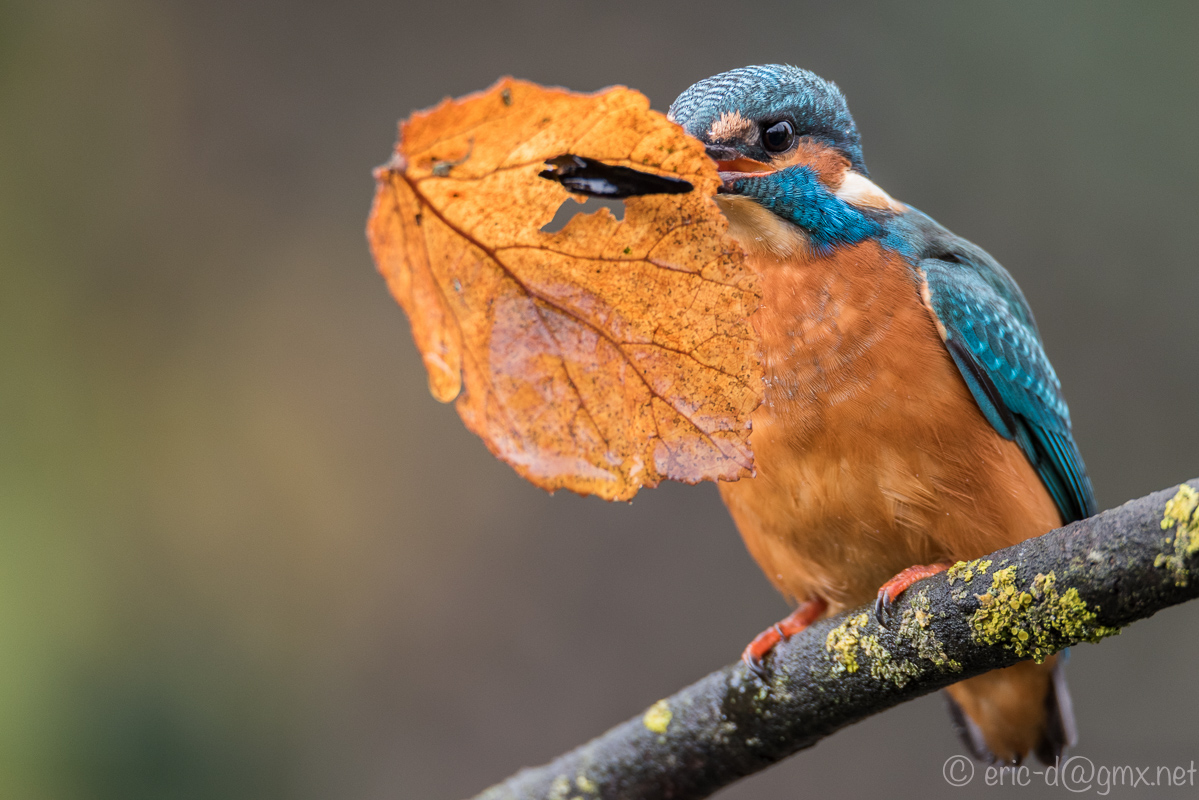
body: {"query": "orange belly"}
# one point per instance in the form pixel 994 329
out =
pixel 871 455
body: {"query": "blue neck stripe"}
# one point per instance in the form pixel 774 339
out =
pixel 798 196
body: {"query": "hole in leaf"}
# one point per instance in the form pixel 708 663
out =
pixel 569 208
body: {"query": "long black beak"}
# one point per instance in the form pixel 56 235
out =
pixel 587 176
pixel 720 152
pixel 734 166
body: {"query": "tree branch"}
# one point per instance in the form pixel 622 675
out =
pixel 1078 583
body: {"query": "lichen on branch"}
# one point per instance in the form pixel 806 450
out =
pixel 1034 622
pixel 1076 584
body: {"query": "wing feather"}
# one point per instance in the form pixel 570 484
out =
pixel 990 334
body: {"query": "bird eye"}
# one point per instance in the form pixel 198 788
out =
pixel 778 137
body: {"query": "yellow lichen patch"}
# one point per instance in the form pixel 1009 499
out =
pixel 657 718
pixel 1180 509
pixel 1182 514
pixel 842 643
pixel 966 570
pixel 559 788
pixel 884 666
pixel 916 627
pixel 1037 622
pixel 586 785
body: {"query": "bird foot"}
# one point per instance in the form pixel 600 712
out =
pixel 754 656
pixel 890 591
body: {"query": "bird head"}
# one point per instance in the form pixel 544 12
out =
pixel 787 148
pixel 758 119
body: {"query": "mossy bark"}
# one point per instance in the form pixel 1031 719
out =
pixel 1079 583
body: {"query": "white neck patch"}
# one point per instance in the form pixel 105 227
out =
pixel 858 190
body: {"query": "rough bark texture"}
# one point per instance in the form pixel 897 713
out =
pixel 1078 583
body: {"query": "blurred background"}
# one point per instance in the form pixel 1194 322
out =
pixel 244 554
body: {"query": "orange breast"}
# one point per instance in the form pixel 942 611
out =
pixel 871 454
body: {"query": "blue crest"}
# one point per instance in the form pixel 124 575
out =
pixel 770 93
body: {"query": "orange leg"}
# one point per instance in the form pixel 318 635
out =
pixel 808 612
pixel 893 588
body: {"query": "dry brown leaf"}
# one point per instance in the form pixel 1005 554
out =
pixel 600 358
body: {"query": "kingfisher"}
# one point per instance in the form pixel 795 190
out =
pixel 911 418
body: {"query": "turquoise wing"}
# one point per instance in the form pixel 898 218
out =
pixel 991 335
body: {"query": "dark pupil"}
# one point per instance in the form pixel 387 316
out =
pixel 778 136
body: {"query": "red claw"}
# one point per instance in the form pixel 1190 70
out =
pixel 892 589
pixel 808 612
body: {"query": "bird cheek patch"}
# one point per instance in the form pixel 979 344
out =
pixel 828 165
